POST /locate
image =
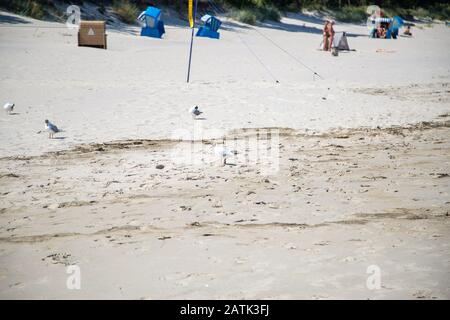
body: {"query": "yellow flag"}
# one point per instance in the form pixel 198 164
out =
pixel 191 19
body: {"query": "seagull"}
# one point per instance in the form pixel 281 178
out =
pixel 9 107
pixel 51 129
pixel 223 152
pixel 195 112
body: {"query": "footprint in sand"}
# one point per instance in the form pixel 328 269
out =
pixel 60 258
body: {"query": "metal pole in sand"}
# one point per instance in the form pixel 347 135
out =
pixel 192 41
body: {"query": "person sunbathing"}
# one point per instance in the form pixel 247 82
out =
pixel 378 32
pixel 407 32
pixel 328 35
pixel 381 31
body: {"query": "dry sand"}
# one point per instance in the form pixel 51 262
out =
pixel 356 174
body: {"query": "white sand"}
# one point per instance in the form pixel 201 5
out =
pixel 137 89
pixel 342 200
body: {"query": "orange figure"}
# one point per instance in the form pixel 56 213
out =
pixel 328 35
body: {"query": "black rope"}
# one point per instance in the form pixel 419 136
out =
pixel 289 54
pixel 216 7
pixel 257 58
pixel 279 47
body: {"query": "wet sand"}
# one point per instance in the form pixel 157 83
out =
pixel 330 180
pixel 310 227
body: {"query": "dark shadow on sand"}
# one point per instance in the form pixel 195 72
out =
pixel 300 26
pixel 290 27
pixel 11 19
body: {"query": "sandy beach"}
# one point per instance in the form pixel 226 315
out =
pixel 328 177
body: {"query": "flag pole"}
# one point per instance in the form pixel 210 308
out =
pixel 192 41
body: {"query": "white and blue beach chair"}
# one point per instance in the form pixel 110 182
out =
pixel 153 26
pixel 210 27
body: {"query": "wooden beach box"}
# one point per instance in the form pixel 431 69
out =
pixel 92 34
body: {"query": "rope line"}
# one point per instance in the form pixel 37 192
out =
pixel 257 58
pixel 215 7
pixel 289 54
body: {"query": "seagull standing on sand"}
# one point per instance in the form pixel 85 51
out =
pixel 195 112
pixel 222 152
pixel 9 107
pixel 51 129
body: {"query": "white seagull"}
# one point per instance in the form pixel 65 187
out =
pixel 9 107
pixel 195 112
pixel 223 153
pixel 51 129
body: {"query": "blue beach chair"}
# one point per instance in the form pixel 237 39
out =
pixel 153 25
pixel 394 25
pixel 210 26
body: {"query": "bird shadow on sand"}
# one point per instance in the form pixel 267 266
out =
pixel 14 114
pixel 200 118
pixel 58 138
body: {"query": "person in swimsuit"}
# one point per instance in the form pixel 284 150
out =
pixel 328 35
